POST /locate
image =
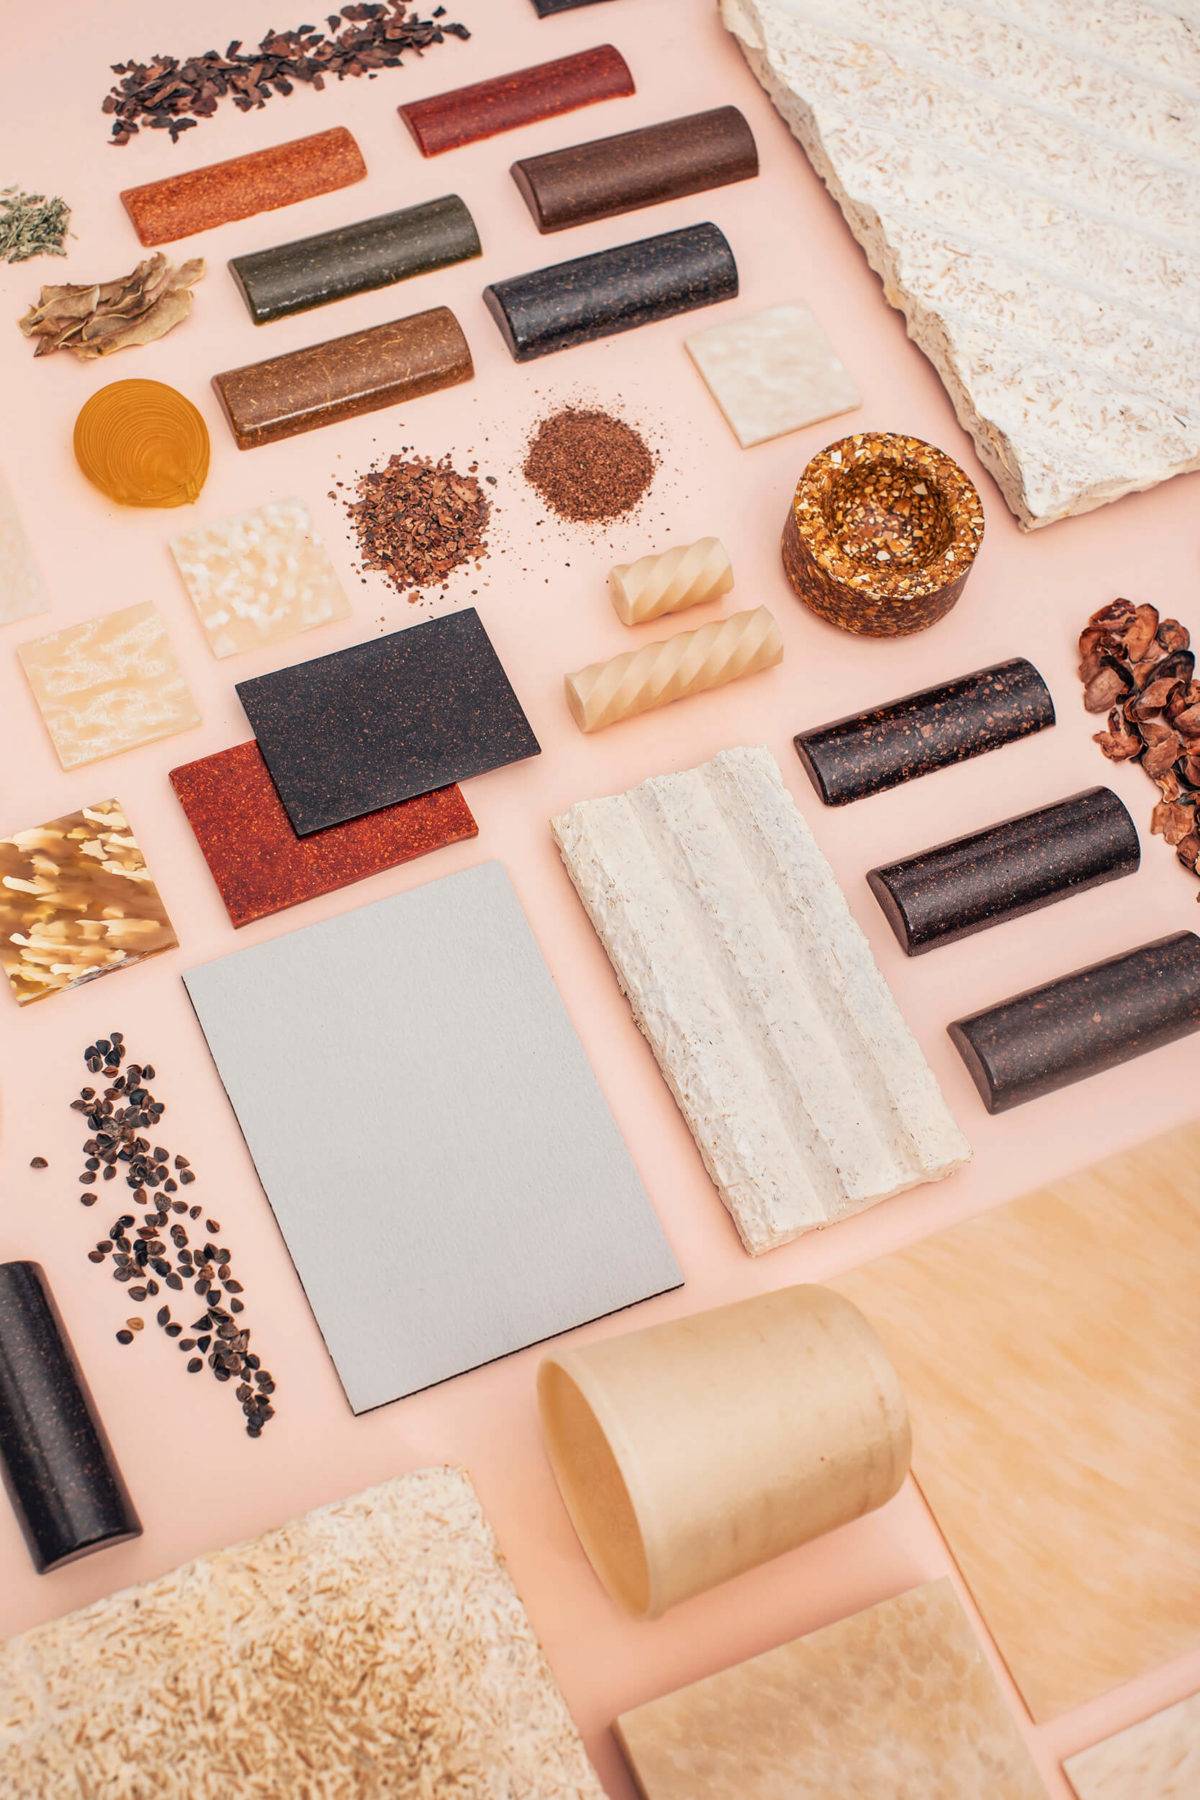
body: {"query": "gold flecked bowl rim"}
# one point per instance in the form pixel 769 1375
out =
pixel 901 581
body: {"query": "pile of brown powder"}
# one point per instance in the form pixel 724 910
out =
pixel 588 466
pixel 417 520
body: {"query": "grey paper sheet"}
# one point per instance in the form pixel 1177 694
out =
pixel 442 1165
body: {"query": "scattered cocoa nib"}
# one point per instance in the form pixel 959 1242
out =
pixel 1141 670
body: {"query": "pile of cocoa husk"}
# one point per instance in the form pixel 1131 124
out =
pixel 1140 669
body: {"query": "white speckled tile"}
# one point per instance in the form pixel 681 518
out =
pixel 1158 1759
pixel 22 592
pixel 108 684
pixel 773 372
pixel 259 577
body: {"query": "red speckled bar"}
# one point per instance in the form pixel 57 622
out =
pixel 464 115
pixel 344 376
pixel 266 179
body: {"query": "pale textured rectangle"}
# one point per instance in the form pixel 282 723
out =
pixel 22 591
pixel 259 578
pixel 807 1095
pixel 1156 1760
pixel 894 1703
pixel 493 1203
pixel 773 372
pixel 108 684
pixel 1024 183
pixel 375 1649
pixel 1054 1414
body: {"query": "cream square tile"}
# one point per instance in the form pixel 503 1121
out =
pixel 259 577
pixel 772 372
pixel 22 592
pixel 1156 1760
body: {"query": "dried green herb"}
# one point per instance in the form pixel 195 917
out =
pixel 31 225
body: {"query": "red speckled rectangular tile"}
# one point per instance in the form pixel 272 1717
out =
pixel 260 182
pixel 466 114
pixel 259 864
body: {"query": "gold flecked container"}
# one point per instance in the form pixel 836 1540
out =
pixel 881 534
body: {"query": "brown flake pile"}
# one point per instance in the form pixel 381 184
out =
pixel 155 1259
pixel 172 93
pixel 417 521
pixel 94 319
pixel 588 466
pixel 1140 669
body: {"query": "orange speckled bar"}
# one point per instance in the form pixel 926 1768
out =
pixel 260 182
pixel 344 377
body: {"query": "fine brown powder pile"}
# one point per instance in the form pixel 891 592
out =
pixel 417 520
pixel 588 466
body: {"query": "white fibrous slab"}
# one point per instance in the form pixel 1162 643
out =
pixel 807 1095
pixel 1023 178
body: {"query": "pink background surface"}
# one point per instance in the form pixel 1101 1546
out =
pixel 197 1480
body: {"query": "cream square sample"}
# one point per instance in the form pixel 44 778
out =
pixel 22 592
pixel 108 684
pixel 259 577
pixel 772 372
pixel 1156 1760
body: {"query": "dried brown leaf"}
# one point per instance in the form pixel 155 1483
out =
pixel 95 320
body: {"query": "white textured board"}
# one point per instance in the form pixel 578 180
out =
pixel 22 591
pixel 772 372
pixel 807 1095
pixel 445 1172
pixel 1159 1759
pixel 1023 176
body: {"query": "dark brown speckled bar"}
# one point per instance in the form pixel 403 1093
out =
pixel 344 377
pixel 465 115
pixel 245 185
pixel 58 1466
pixel 1083 1023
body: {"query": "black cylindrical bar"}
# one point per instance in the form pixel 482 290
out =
pixel 56 1460
pixel 311 271
pixel 613 290
pixel 619 174
pixel 870 751
pixel 1015 867
pixel 1083 1023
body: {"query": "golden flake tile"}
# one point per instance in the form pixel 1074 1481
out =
pixel 1156 1760
pixel 895 1703
pixel 260 577
pixel 76 901
pixel 108 684
pixel 21 590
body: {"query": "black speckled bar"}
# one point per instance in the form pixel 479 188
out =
pixel 870 751
pixel 1016 867
pixel 353 259
pixel 545 8
pixel 58 1467
pixel 613 290
pixel 1085 1022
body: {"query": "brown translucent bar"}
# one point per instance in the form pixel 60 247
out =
pixel 464 115
pixel 343 377
pixel 260 182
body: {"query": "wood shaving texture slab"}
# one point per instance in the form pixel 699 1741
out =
pixel 373 1648
pixel 1024 184
pixel 1159 1759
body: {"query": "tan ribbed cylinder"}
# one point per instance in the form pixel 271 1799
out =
pixel 691 1451
pixel 687 663
pixel 671 581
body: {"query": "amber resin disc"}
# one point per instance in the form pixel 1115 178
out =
pixel 143 444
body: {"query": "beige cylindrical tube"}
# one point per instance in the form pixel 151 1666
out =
pixel 673 668
pixel 671 581
pixel 697 1449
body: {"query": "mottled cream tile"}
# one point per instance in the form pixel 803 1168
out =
pixel 772 372
pixel 76 901
pixel 260 577
pixel 1156 1760
pixel 895 1703
pixel 22 592
pixel 1050 1352
pixel 108 684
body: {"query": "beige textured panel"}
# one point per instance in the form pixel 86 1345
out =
pixel 76 901
pixel 259 578
pixel 1054 1414
pixel 108 684
pixel 1156 1760
pixel 773 372
pixel 1023 179
pixel 21 590
pixel 895 1703
pixel 372 1650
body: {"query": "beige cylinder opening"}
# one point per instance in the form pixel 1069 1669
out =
pixel 694 1450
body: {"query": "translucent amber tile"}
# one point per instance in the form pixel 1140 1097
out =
pixel 76 901
pixel 21 590
pixel 259 577
pixel 108 684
